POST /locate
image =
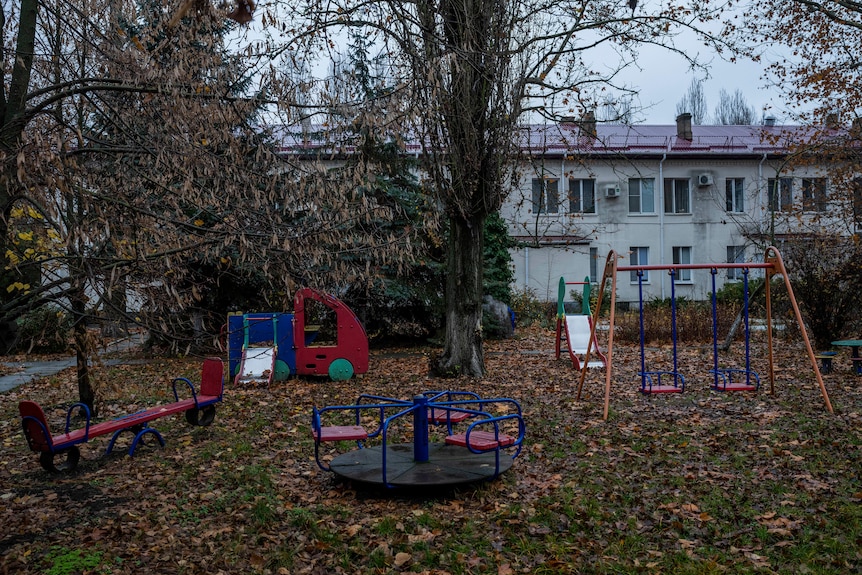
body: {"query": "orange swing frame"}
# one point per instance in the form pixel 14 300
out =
pixel 773 265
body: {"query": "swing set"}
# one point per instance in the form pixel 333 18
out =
pixel 724 379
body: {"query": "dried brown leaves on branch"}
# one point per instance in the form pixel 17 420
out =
pixel 155 173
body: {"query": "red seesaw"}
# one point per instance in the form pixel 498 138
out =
pixel 199 410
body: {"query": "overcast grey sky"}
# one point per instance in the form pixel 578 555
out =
pixel 664 79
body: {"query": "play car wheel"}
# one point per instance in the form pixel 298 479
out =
pixel 340 370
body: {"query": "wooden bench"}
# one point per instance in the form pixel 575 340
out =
pixel 199 409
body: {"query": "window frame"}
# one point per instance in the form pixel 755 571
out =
pixel 813 201
pixel 784 200
pixel 735 257
pixel 683 276
pixel 637 255
pixel 541 198
pixel 734 195
pixel 578 195
pixel 672 196
pixel 639 196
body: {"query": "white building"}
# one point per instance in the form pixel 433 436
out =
pixel 661 195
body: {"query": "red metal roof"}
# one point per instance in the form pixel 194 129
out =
pixel 610 139
pixel 644 139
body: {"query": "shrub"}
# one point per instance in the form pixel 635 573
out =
pixel 577 297
pixel 693 322
pixel 826 275
pixel 44 330
pixel 529 309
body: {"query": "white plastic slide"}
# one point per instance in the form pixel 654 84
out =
pixel 578 338
pixel 257 365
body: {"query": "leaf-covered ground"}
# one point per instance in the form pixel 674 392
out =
pixel 701 482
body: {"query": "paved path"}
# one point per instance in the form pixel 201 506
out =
pixel 36 369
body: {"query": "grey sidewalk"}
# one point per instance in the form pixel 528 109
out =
pixel 36 369
pixel 33 370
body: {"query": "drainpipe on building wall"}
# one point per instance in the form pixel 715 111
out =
pixel 526 268
pixel 760 190
pixel 661 220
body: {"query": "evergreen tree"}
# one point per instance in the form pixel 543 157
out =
pixel 393 301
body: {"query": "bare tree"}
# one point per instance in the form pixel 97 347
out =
pixel 733 110
pixel 693 102
pixel 473 71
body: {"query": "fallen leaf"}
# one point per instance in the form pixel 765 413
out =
pixel 402 558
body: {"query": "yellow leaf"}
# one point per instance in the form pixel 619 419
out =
pixel 26 236
pixel 199 222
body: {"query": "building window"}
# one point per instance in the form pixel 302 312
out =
pixel 682 255
pixel 639 256
pixel 735 255
pixel 594 265
pixel 814 194
pixel 642 196
pixel 780 193
pixel 546 199
pixel 582 196
pixel 735 194
pixel 677 199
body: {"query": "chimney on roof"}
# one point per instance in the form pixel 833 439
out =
pixel 856 127
pixel 683 126
pixel 587 125
pixel 769 121
pixel 832 120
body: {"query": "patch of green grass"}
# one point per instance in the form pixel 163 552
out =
pixel 377 559
pixel 263 511
pixel 386 526
pixel 64 561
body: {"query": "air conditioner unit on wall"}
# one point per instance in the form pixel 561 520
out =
pixel 612 191
pixel 704 180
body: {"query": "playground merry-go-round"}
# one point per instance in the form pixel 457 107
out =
pixel 434 438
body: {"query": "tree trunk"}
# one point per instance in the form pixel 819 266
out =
pixel 12 108
pixel 86 393
pixel 462 348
